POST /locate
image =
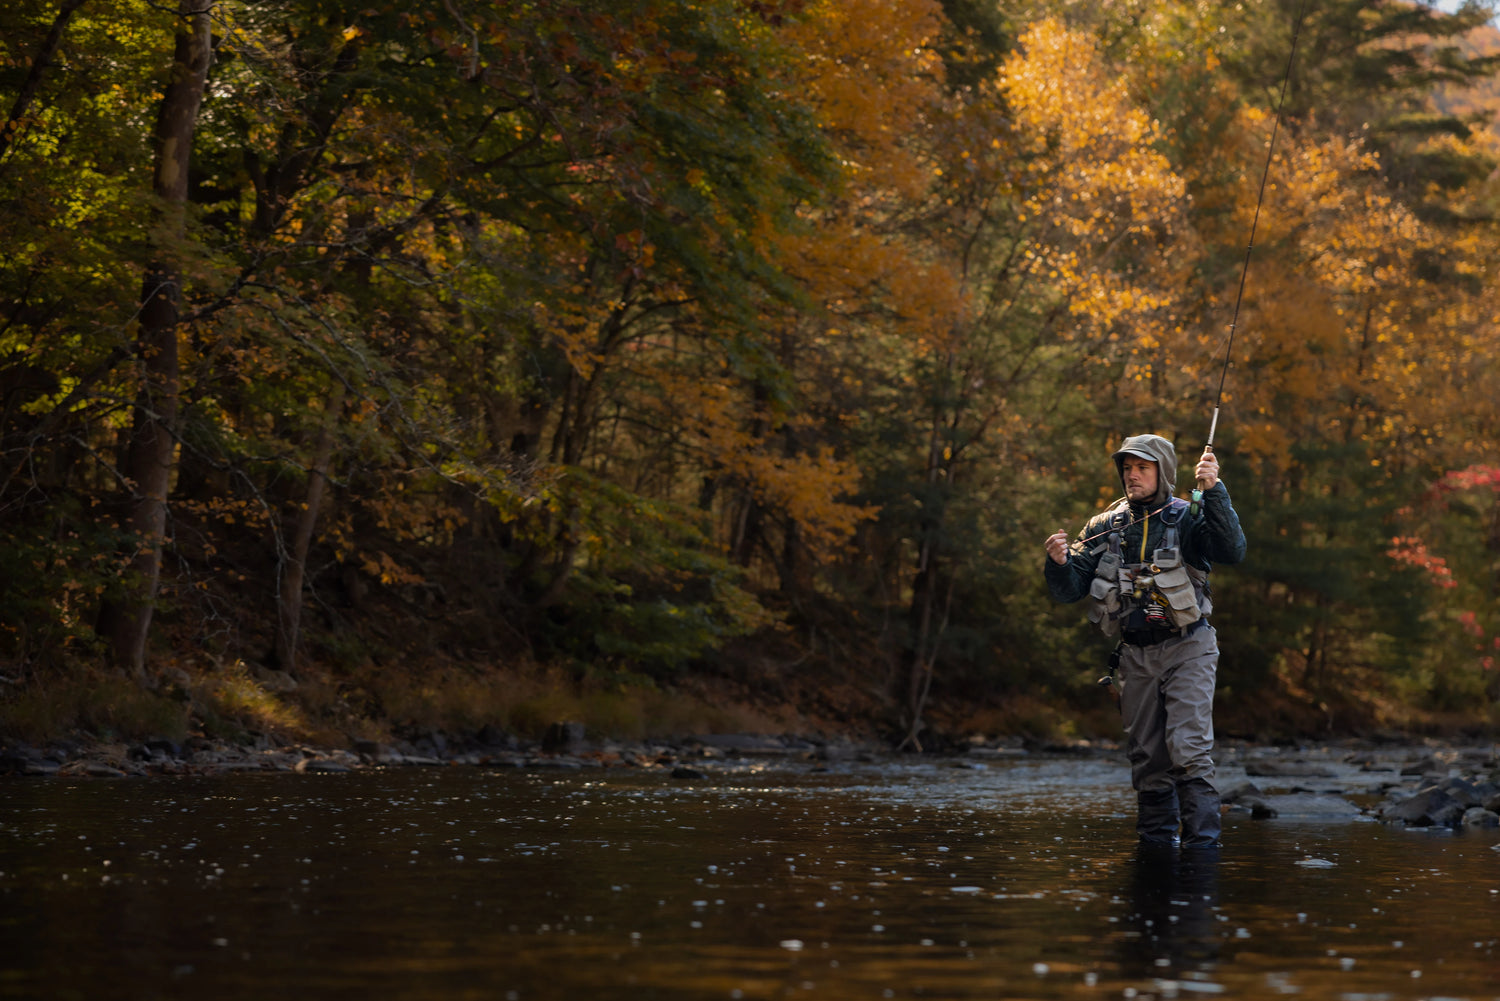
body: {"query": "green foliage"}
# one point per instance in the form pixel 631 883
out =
pixel 1317 597
pixel 976 38
pixel 1373 67
pixel 51 583
pixel 642 586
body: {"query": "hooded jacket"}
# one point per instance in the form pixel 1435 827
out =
pixel 1211 536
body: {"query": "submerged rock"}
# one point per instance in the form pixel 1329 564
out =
pixel 1432 807
pixel 501 761
pixel 752 743
pixel 1289 769
pixel 1307 806
pixel 1240 791
pixel 320 765
pixel 564 763
pixel 1260 809
pixel 997 752
pixel 840 749
pixel 1423 766
pixel 421 761
pixel 1478 816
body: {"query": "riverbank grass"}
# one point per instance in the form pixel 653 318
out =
pixel 98 704
pixel 240 703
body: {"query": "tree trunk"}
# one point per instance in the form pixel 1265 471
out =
pixel 922 658
pixel 12 127
pixel 153 433
pixel 918 668
pixel 294 563
pixel 921 655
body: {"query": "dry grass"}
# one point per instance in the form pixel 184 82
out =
pixel 521 700
pixel 100 703
pixel 235 700
pixel 1020 715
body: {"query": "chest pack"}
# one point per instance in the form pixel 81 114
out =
pixel 1120 588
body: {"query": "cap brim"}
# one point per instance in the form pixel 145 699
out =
pixel 1137 453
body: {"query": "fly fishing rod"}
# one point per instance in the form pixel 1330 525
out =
pixel 1260 198
pixel 1197 496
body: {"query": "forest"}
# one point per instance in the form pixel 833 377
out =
pixel 681 365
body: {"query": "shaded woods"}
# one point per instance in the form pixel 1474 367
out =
pixel 666 365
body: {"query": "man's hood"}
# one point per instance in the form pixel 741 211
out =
pixel 1158 450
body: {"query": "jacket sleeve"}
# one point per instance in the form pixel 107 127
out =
pixel 1071 581
pixel 1217 536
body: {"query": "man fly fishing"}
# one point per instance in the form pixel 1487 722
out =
pixel 1143 565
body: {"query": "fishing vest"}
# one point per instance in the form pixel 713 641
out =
pixel 1120 589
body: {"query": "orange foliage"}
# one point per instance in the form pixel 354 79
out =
pixel 870 69
pixel 1351 331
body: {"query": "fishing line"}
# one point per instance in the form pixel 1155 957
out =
pixel 1134 521
pixel 1260 198
pixel 1239 298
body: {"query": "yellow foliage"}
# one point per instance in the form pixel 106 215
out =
pixel 1096 171
pixel 1095 192
pixel 384 568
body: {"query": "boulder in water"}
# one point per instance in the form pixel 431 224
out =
pixel 1478 816
pixel 1432 807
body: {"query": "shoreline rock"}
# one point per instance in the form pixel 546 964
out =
pixel 1421 784
pixel 564 748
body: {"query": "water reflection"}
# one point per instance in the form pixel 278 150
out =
pixel 892 880
pixel 1174 926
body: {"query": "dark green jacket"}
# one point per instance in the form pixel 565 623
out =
pixel 1212 536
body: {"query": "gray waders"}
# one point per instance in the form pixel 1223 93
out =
pixel 1167 700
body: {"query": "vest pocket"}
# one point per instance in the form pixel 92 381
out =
pixel 1104 605
pixel 1182 598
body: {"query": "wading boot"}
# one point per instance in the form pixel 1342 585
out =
pixel 1201 822
pixel 1156 816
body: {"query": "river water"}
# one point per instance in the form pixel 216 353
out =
pixel 764 880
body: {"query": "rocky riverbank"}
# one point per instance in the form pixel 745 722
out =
pixel 1417 785
pixel 564 746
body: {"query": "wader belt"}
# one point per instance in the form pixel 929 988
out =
pixel 1151 637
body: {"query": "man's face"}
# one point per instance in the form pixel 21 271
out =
pixel 1140 478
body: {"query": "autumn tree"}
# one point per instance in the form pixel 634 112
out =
pixel 1359 272
pixel 151 453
